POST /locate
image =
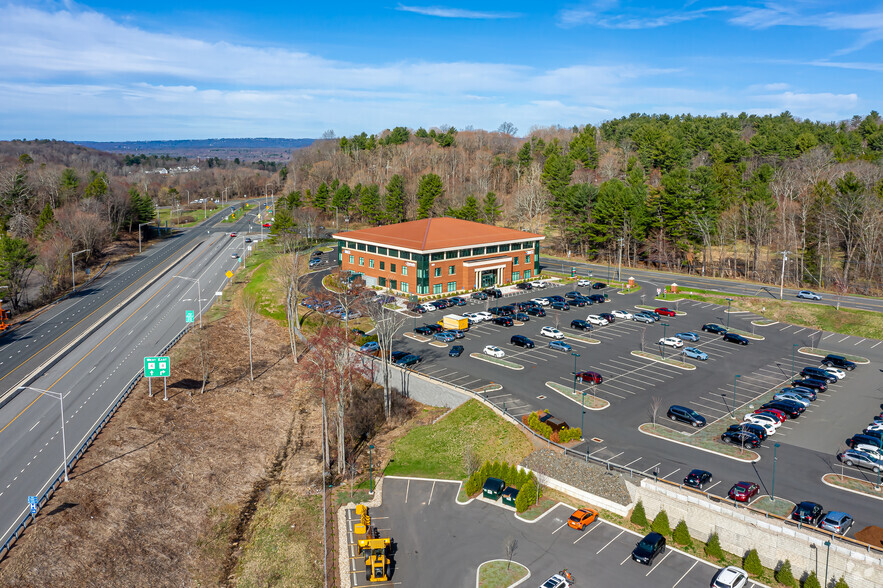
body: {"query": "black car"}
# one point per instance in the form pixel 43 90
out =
pixel 397 355
pixel 493 292
pixel 599 298
pixel 522 306
pixel 598 285
pixel 648 548
pixel 685 415
pixel 714 328
pixel 520 316
pixel 862 439
pixel 479 296
pixel 818 374
pixel 536 311
pixel 791 409
pixel 522 341
pixel 417 308
pixel 505 321
pixel 408 360
pixel 435 328
pixel 755 430
pixel 423 330
pixel 498 311
pixel 734 338
pixel 580 302
pixel 523 286
pixel 807 512
pixel 573 294
pixel 439 304
pixel 740 438
pixel 610 318
pixel 456 351
pixel 811 383
pixel 556 298
pixel 838 361
pixel 697 479
pixel 556 305
pixel 581 325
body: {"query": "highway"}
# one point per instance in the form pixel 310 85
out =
pixel 661 279
pixel 92 373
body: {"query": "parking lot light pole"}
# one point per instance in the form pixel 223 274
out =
pixel 733 414
pixel 827 556
pixel 583 403
pixel 775 457
pixel 370 472
pixel 793 347
pixel 729 300
pixel 662 347
pixel 60 397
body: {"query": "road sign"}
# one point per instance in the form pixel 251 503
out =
pixel 188 316
pixel 33 503
pixel 157 367
pixel 229 274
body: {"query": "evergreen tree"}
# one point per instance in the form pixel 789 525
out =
pixel 524 156
pixel 341 199
pixel 369 204
pixel 661 524
pixel 16 262
pixel 639 516
pixel 283 222
pixel 841 583
pixel 394 200
pixel 812 581
pixel 681 534
pixel 784 575
pixel 69 183
pixel 47 218
pixel 713 547
pixel 320 198
pixel 293 200
pixel 556 177
pixel 429 190
pixel 98 185
pixel 751 563
pixel 582 147
pixel 469 211
pixel 491 208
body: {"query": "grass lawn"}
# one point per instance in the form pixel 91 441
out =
pixel 500 574
pixel 780 507
pixel 706 438
pixel 863 486
pixel 436 451
pixel 171 215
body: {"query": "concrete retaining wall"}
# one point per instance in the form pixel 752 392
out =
pixel 740 530
pixel 587 497
pixel 414 385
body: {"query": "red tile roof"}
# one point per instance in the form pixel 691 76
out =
pixel 431 234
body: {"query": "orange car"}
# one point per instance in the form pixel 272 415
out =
pixel 582 518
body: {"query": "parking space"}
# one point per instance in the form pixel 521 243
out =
pixel 447 542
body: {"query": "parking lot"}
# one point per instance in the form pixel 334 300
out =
pixel 430 533
pixel 808 444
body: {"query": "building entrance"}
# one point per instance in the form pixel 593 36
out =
pixel 489 278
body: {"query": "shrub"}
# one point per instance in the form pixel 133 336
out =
pixel 661 524
pixel 472 484
pixel 639 517
pixel 841 583
pixel 784 575
pixel 496 470
pixel 525 498
pixel 713 547
pixel 554 437
pixel 812 581
pixel 751 563
pixel 681 534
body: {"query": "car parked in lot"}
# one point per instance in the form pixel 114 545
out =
pixel 790 408
pixel 665 311
pixel 875 426
pixel 809 295
pixel 560 345
pixel 478 296
pixel 557 305
pixel 493 292
pixel 581 325
pixel 408 360
pixel 807 512
pixel 838 361
pixel 767 427
pixel 541 301
pixel 536 311
pixel 591 377
pixel 538 284
pixel 695 353
pixel 776 414
pixel 423 330
pixel 697 479
pixel 371 347
pixel 551 332
pixel 503 321
pixel 714 328
pixel 573 294
pixel 599 298
pixel 493 351
pixel 743 491
pixel 582 518
pixel 457 301
pixel 557 581
pixel 734 338
pixel 862 459
pixel 579 302
pixel 524 286
pixel 730 577
pixel 444 336
pixel 607 316
pixel 456 351
pixel 315 261
pixel 685 415
pixel 688 336
pixel 873 432
pixel 599 286
pixel 864 440
pixel 807 393
pixel 818 374
pixel 837 522
pixel 756 430
pixel 671 342
pixel 521 316
pixel 763 419
pixel 740 438
pixel 596 319
pixel 623 314
pixel 648 548
pixel 792 396
pixel 813 383
pixel 522 341
pixel 643 318
pixel 583 283
pixel 836 372
pixel 436 328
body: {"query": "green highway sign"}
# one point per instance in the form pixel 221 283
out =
pixel 157 367
pixel 189 315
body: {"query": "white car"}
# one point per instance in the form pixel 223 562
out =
pixel 730 577
pixel 871 450
pixel 483 316
pixel 762 418
pixel 493 351
pixel 767 426
pixel 671 342
pixel 551 332
pixel 874 427
pixel 793 397
pixel 541 301
pixel 623 314
pixel 583 283
pixel 538 284
pixel 474 316
pixel 596 320
pixel 427 307
pixel 835 372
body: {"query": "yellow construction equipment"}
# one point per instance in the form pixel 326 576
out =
pixel 374 548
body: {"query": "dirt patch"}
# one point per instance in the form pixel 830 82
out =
pixel 871 535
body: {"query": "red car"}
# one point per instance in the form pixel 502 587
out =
pixel 232 234
pixel 666 311
pixel 773 411
pixel 743 491
pixel 266 225
pixel 593 377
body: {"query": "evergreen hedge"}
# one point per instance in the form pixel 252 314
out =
pixel 639 516
pixel 713 547
pixel 661 524
pixel 681 534
pixel 751 563
pixel 784 575
pixel 812 581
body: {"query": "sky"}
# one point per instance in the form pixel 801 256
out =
pixel 107 70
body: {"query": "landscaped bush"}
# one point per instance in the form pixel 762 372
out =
pixel 528 495
pixel 841 583
pixel 713 547
pixel 784 575
pixel 567 435
pixel 473 484
pixel 509 473
pixel 661 524
pixel 639 516
pixel 812 581
pixel 681 534
pixel 751 563
pixel 533 421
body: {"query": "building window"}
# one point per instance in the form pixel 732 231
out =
pixel 515 261
pixel 352 259
pixel 404 270
pixel 393 284
pixel 491 249
pixel 465 252
pixel 351 244
pixel 404 286
pixel 381 250
pixel 527 258
pixel 361 261
pixel 421 289
pixel 382 282
pixel 392 267
pixel 504 247
pixel 452 269
pixel 451 255
pixel 452 286
pixel 478 251
pixel 382 265
pixel 361 246
pixel 371 263
pixel 437 256
pixel 372 249
pixel 516 276
pixel 438 272
pixel 436 288
pixel 405 254
pixel 526 274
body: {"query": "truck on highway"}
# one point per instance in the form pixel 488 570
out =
pixel 454 322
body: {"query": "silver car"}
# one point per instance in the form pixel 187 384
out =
pixel 836 522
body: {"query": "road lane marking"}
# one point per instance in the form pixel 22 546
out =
pixel 32 428
pixel 407 489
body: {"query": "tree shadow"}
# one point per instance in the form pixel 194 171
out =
pixel 148 444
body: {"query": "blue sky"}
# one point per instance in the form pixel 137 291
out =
pixel 163 69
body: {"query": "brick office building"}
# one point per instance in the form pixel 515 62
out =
pixel 439 255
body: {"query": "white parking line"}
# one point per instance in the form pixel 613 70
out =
pixel 407 489
pixel 585 533
pixel 659 564
pixel 826 336
pixel 651 467
pixel 628 557
pixel 631 462
pixel 862 341
pixel 671 474
pixel 800 331
pixel 609 542
pixel 559 528
pixel 685 574
pixel 875 344
pixel 712 486
pixel 597 450
pixel 843 339
pixel 431 490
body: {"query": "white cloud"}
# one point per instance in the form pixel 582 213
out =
pixel 598 15
pixel 444 12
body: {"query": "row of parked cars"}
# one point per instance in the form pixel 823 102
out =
pixel 330 308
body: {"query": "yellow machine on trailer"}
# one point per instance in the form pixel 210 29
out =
pixel 374 548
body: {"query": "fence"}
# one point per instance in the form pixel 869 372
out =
pixel 44 499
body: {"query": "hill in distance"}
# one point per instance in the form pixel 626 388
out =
pixel 246 149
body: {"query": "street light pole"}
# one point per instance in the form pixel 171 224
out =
pixel 583 403
pixel 827 556
pixel 370 472
pixel 775 458
pixel 782 285
pixel 73 271
pixel 198 296
pixel 60 397
pixel 733 414
pixel 729 300
pixel 662 347
pixel 619 270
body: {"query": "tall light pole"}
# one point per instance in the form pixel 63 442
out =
pixel 60 397
pixel 73 272
pixel 733 414
pixel 188 197
pixel 662 347
pixel 198 296
pixel 225 193
pixel 336 226
pixel 619 270
pixel 729 300
pixel 583 403
pixel 370 472
pixel 793 347
pixel 139 235
pixel 827 556
pixel 782 285
pixel 775 458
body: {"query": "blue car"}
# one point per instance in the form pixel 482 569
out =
pixel 457 301
pixel 370 347
pixel 559 345
pixel 688 336
pixel 455 351
pixel 444 336
pixel 695 353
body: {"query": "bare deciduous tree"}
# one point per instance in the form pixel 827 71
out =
pixel 511 546
pixel 655 403
pixel 386 325
pixel 288 271
pixel 248 305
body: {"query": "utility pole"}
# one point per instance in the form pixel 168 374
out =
pixel 782 286
pixel 73 272
pixel 619 270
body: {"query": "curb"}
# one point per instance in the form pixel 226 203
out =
pixel 814 354
pixel 827 483
pixel 511 366
pixel 549 386
pixel 524 579
pixel 701 448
